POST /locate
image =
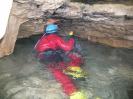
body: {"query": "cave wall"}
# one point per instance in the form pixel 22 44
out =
pixel 109 23
pixel 114 33
pixel 31 27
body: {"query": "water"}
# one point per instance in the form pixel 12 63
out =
pixel 127 2
pixel 110 73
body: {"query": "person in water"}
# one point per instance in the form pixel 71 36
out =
pixel 51 42
pixel 53 48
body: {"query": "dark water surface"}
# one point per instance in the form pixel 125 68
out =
pixel 110 73
pixel 126 2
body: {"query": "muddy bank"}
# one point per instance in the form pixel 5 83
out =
pixel 110 73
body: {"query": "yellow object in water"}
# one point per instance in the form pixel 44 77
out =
pixel 78 95
pixel 98 98
pixel 75 71
pixel 75 68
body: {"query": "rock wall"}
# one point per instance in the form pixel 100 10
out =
pixel 113 33
pixel 31 27
pixel 109 24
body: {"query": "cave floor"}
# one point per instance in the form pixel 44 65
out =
pixel 110 73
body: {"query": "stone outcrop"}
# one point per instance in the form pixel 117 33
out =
pixel 109 24
pixel 8 42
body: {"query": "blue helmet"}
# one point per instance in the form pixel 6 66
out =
pixel 51 28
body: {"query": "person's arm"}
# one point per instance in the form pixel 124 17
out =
pixel 40 44
pixel 66 45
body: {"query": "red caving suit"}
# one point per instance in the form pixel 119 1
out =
pixel 54 42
